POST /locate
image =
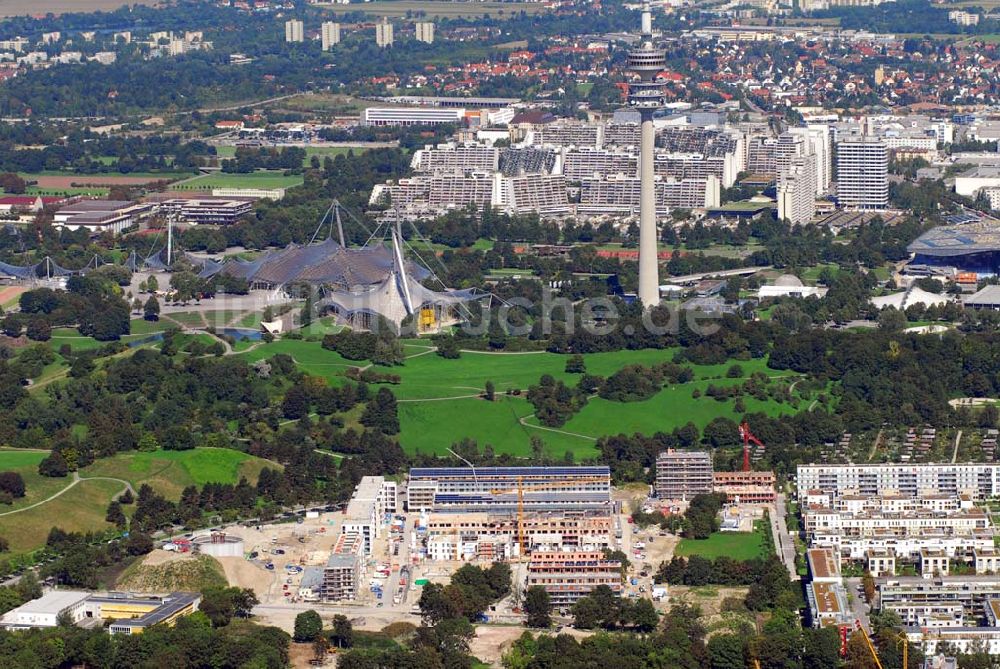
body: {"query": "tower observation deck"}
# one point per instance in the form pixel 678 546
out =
pixel 646 96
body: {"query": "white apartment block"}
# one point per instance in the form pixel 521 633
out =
pixel 329 35
pixel 544 194
pixel 963 18
pixel 583 163
pixel 621 134
pixel 373 498
pixel 820 144
pixel 977 480
pixel 993 195
pixel 620 195
pixel 568 133
pixel 294 31
pixel 448 191
pixel 456 158
pixel 797 190
pixel 383 34
pixel 725 167
pixel 425 31
pixel 863 173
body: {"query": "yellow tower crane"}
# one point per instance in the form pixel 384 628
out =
pixel 900 638
pixel 520 490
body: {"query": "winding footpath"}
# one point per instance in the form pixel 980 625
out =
pixel 76 479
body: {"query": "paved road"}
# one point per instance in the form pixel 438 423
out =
pixel 859 609
pixel 782 539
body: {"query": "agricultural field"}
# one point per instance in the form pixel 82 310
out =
pixel 441 8
pixel 737 545
pixel 169 472
pixel 260 179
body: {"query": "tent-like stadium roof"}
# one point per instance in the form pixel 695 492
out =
pixel 325 263
pixel 958 240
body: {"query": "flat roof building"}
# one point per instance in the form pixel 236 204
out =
pixel 208 210
pixel 397 116
pixel 46 610
pixel 978 480
pixel 100 216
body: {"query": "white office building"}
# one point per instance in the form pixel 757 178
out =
pixel 412 115
pixel 863 173
pixel 45 611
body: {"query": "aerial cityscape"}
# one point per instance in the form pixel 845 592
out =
pixel 398 334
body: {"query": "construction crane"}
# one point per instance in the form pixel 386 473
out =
pixel 747 436
pixel 900 638
pixel 871 646
pixel 520 490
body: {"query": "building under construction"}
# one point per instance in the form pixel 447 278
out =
pixel 509 489
pixel 568 576
pixel 488 537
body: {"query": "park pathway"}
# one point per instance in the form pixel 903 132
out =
pixel 76 479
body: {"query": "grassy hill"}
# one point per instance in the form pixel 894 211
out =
pixel 180 572
pixel 169 472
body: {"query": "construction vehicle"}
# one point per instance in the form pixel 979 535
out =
pixel 520 490
pixel 747 436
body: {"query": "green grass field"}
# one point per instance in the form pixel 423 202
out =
pixel 169 472
pixel 322 152
pixel 737 545
pixel 80 509
pixel 253 180
pixel 433 391
pixel 36 487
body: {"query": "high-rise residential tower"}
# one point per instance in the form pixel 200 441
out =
pixel 293 31
pixel 646 96
pixel 329 35
pixel 863 173
pixel 383 33
pixel 425 31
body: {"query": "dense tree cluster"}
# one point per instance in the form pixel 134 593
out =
pixel 382 348
pixel 604 609
pixel 92 303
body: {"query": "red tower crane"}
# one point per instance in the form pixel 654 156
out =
pixel 747 436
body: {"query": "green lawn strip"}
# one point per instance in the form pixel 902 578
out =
pixel 80 509
pixel 261 179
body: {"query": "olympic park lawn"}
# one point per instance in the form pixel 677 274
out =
pixel 439 400
pixel 81 507
pixel 169 472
